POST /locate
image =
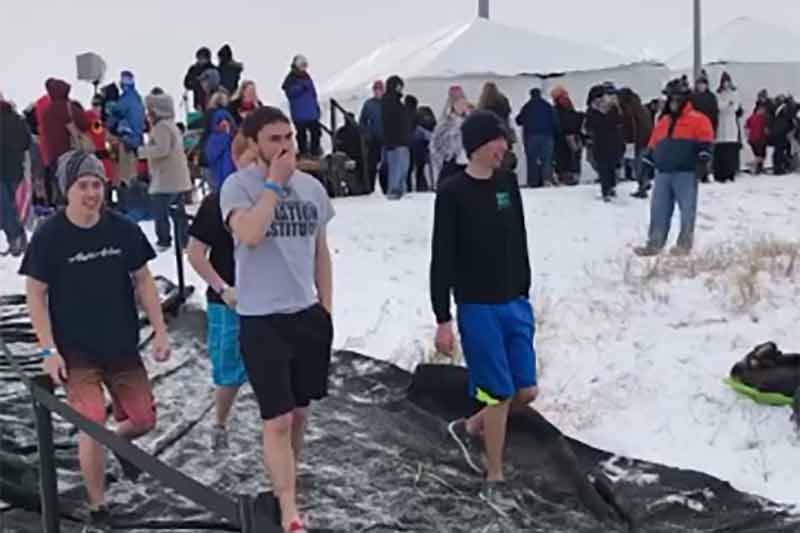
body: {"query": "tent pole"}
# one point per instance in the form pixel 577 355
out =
pixel 483 9
pixel 698 38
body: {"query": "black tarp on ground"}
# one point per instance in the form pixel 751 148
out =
pixel 379 459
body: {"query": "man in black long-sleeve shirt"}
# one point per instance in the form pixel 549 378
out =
pixel 480 252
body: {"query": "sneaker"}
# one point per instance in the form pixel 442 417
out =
pixel 161 248
pixel 642 194
pixel 679 251
pixel 129 470
pixel 646 251
pixel 98 521
pixel 470 445
pixel 497 495
pixel 219 438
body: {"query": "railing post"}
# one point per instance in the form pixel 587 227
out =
pixel 178 227
pixel 333 125
pixel 48 480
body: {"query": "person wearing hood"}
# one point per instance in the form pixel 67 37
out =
pixel 15 140
pixel 191 82
pixel 126 123
pixel 169 169
pixel 302 94
pixel 680 150
pixel 230 71
pixel 370 122
pixel 60 112
pixel 604 125
pixel 218 147
pixel 396 137
pixel 728 142
pixel 568 146
pixel 539 129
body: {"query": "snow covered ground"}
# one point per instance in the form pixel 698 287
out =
pixel 628 365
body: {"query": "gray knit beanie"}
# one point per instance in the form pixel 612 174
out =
pixel 77 164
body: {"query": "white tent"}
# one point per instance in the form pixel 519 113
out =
pixel 471 53
pixel 758 55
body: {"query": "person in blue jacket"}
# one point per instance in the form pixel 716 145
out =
pixel 126 122
pixel 218 148
pixel 304 107
pixel 127 115
pixel 540 126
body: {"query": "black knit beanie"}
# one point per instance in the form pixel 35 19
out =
pixel 479 128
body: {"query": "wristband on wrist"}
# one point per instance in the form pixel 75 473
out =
pixel 273 186
pixel 47 352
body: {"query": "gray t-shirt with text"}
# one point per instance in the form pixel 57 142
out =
pixel 277 276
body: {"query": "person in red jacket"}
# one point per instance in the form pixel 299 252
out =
pixel 58 114
pixel 680 150
pixel 39 108
pixel 756 127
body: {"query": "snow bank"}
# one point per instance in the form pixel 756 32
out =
pixel 637 374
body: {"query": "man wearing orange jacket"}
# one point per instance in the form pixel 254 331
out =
pixel 680 147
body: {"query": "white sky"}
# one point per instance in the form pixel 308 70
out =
pixel 157 39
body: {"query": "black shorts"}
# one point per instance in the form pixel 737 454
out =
pixel 287 358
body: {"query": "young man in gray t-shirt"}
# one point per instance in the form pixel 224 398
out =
pixel 284 288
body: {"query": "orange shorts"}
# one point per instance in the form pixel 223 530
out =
pixel 127 384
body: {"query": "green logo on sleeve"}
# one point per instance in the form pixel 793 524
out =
pixel 503 200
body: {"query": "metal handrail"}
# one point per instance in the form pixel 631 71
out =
pixel 248 514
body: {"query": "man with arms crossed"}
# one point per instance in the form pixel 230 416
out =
pixel 278 217
pixel 480 253
pixel 84 268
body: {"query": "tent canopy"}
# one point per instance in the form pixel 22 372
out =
pixel 745 40
pixel 479 47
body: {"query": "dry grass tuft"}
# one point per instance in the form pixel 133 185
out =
pixel 739 271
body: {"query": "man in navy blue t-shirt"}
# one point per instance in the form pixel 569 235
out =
pixel 84 268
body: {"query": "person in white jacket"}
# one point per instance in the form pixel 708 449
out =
pixel 169 169
pixel 728 143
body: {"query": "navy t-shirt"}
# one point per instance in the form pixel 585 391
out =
pixel 88 272
pixel 209 229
